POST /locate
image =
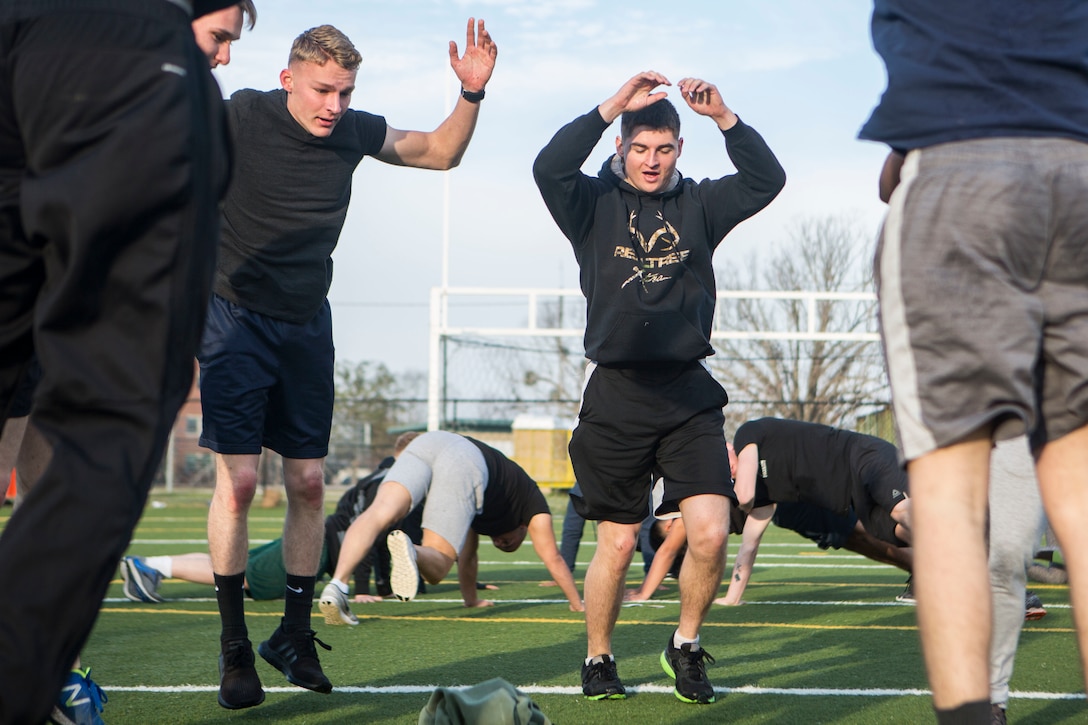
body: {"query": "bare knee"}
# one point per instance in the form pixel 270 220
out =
pixel 306 487
pixel 237 489
pixel 433 565
pixel 707 542
pixel 617 549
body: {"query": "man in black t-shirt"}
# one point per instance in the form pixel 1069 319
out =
pixel 266 357
pixel 781 461
pixel 835 472
pixel 467 489
pixel 825 528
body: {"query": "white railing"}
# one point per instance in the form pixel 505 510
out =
pixel 441 327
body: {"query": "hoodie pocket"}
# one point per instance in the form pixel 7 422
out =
pixel 653 337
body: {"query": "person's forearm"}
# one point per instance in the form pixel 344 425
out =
pixel 889 175
pixel 610 110
pixel 568 193
pixel 756 164
pixel 558 570
pixel 725 120
pixel 467 573
pixel 742 571
pixel 452 137
pixel 877 550
pixel 663 560
pixel 736 197
pixel 569 148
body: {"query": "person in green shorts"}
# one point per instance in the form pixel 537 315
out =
pixel 266 576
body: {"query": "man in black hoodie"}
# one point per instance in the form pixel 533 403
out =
pixel 644 239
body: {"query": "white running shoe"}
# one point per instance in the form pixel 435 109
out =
pixel 404 576
pixel 334 605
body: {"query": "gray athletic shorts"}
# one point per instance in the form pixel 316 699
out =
pixel 982 275
pixel 450 472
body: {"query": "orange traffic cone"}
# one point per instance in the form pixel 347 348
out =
pixel 11 487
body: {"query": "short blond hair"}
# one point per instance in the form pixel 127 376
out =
pixel 322 44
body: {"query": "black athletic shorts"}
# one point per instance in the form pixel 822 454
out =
pixel 637 424
pixel 828 529
pixel 266 382
pixel 882 485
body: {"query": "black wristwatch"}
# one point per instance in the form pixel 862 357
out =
pixel 472 97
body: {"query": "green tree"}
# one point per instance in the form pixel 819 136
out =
pixel 370 400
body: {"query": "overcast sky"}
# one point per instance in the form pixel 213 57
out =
pixel 802 73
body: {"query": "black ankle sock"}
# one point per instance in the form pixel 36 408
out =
pixel 231 597
pixel 299 602
pixel 969 713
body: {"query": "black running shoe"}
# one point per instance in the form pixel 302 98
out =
pixel 907 597
pixel 295 656
pixel 687 668
pixel 600 681
pixel 239 685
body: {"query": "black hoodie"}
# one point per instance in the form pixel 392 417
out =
pixel 646 259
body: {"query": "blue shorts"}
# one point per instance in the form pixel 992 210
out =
pixel 266 382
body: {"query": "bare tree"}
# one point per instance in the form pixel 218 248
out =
pixel 819 380
pixel 559 365
pixel 370 401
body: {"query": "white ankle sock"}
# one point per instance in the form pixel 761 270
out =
pixel 677 641
pixel 162 564
pixel 340 585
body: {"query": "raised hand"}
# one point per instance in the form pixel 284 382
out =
pixel 474 68
pixel 636 93
pixel 704 99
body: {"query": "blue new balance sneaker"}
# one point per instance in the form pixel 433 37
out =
pixel 141 581
pixel 81 701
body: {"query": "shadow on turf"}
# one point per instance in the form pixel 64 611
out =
pixel 313 709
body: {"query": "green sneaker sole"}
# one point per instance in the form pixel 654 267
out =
pixel 666 666
pixel 669 671
pixel 681 698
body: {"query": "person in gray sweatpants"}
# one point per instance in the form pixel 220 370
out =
pixel 1016 525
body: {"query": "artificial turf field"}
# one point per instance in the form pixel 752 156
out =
pixel 821 640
